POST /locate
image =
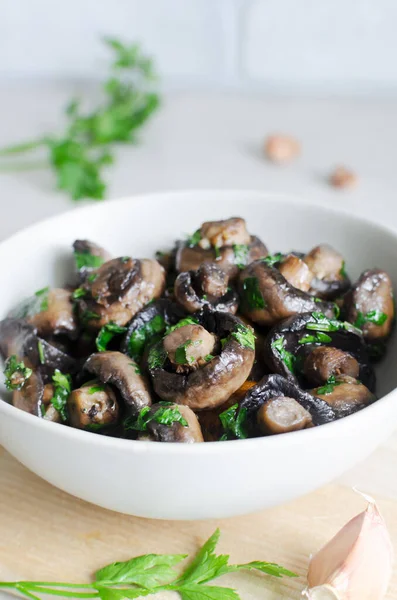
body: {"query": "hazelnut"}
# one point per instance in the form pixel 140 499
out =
pixel 343 178
pixel 281 148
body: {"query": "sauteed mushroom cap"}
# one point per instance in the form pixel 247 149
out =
pixel 222 373
pixel 206 286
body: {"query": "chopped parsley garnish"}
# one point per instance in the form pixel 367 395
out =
pixel 40 349
pixel 96 388
pixel 141 336
pixel 273 259
pixel 182 323
pixel 16 373
pixel 234 423
pixel 317 338
pixel 287 357
pixel 328 388
pixel 223 342
pixel 244 335
pixel 166 414
pixel 241 252
pixel 373 316
pixel 91 278
pixel 217 252
pixel 194 239
pixel 43 295
pixel 209 357
pixel 181 358
pixel 342 271
pixel 125 259
pixel 88 315
pixel 157 357
pixel 252 295
pixel 322 323
pixel 62 388
pixel 137 368
pixel 86 260
pixel 79 293
pixel 336 311
pixel 33 305
pixel 106 334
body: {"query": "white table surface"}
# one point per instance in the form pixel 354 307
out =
pixel 202 140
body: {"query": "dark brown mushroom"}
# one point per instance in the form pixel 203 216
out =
pixel 176 432
pixel 88 257
pixel 296 272
pixel 121 371
pixel 210 422
pixel 206 286
pixel 210 385
pixel 282 415
pixel 19 338
pixel 289 343
pixel 370 305
pixel 267 297
pixel 226 243
pixel 29 398
pixel 276 386
pixel 325 361
pixel 149 325
pixel 93 406
pixel 328 267
pixel 50 311
pixel 122 287
pixel 345 394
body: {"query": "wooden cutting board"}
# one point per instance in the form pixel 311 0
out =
pixel 47 534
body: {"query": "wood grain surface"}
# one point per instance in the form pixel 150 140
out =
pixel 47 534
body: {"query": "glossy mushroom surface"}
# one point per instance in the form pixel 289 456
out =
pixel 345 394
pixel 328 268
pixel 209 285
pixel 93 406
pixel 370 305
pixel 267 298
pixel 226 243
pixel 222 373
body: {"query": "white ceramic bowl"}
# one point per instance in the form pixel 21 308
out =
pixel 180 481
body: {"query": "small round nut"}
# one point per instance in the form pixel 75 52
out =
pixel 282 148
pixel 342 177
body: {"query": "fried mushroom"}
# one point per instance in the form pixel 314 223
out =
pixel 206 286
pixel 223 373
pixel 345 394
pixel 328 268
pixel 93 406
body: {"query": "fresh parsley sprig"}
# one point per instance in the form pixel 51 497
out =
pixel 62 388
pixel 106 334
pixel 80 153
pixel 16 373
pixel 153 573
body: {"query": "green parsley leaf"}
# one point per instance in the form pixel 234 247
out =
pixel 264 567
pixel 244 335
pixel 88 315
pixel 328 388
pixel 62 389
pixel 376 317
pixel 33 305
pixel 40 349
pixel 217 252
pixel 208 592
pixel 182 323
pixel 166 414
pixel 336 310
pixel 252 295
pixel 91 278
pixel 206 565
pixel 317 338
pixel 234 423
pixel 209 357
pixel 287 357
pixel 241 253
pixel 193 239
pixel 342 271
pixel 96 388
pixel 79 293
pixel 322 323
pixel 145 334
pixel 106 334
pixel 16 373
pixel 181 358
pixel 80 152
pixel 148 571
pixel 157 357
pixel 87 260
pixel 273 259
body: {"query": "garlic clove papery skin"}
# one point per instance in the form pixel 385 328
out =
pixel 356 564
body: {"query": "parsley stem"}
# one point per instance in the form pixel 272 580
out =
pixel 65 593
pixel 25 147
pixel 16 167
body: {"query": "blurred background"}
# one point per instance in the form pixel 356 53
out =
pixel 232 72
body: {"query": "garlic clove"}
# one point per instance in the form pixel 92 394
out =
pixel 356 564
pixel 323 592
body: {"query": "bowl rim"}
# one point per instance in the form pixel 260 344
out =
pixel 229 446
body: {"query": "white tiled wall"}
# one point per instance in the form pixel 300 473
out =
pixel 300 45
